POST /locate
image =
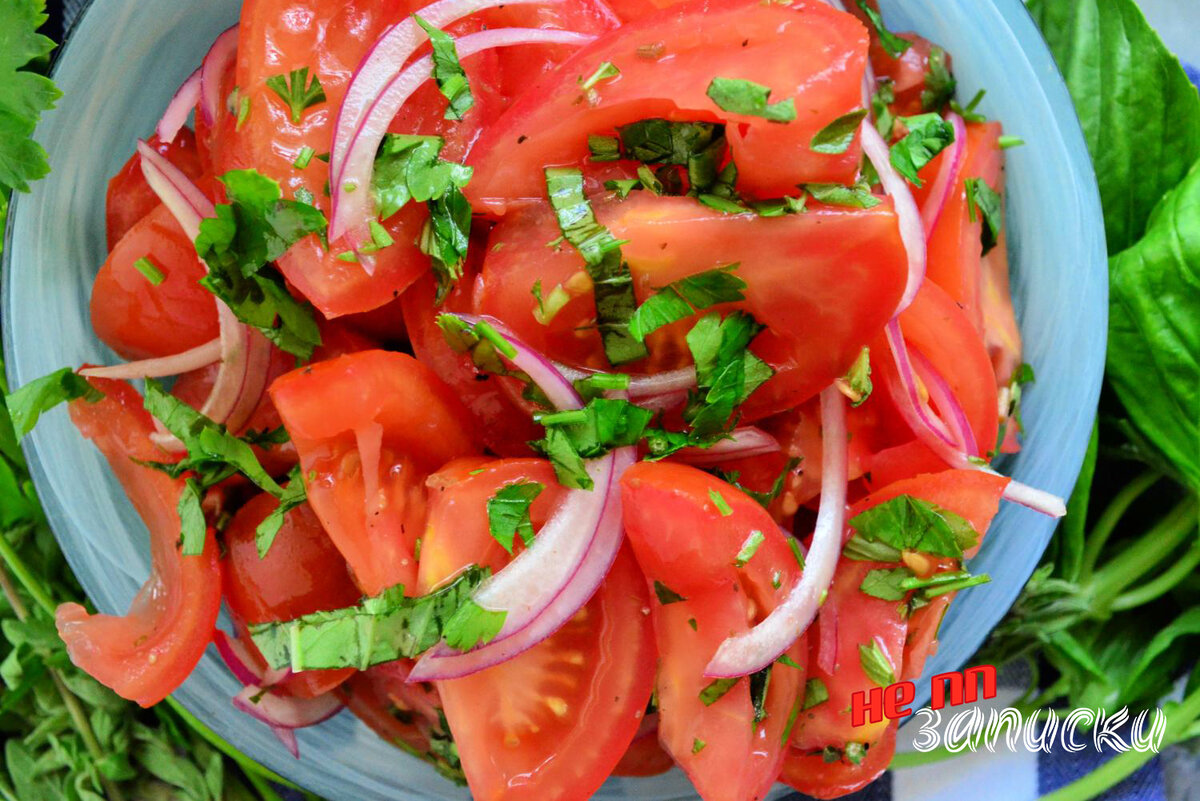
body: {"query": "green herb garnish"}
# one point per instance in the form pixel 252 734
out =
pixel 297 91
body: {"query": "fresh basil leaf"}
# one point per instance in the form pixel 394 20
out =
pixel 252 230
pixel 1140 112
pixel 985 202
pixel 292 496
pixel 739 96
pixel 666 595
pixel 895 46
pixel 1154 330
pixel 928 135
pixel 876 665
pixel 28 403
pixel 727 373
pixel 588 433
pixel 612 283
pixel 383 628
pixel 604 148
pixel 297 91
pixel 837 136
pixel 815 692
pixel 448 72
pixel 508 512
pixel 192 526
pixel 858 196
pixel 885 584
pixel 685 297
pixel 471 626
pixel 940 84
pixel 717 690
pixel 410 167
pixel 906 523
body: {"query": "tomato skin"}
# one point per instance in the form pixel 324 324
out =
pixel 301 573
pixel 683 541
pixel 402 714
pixel 907 72
pixel 147 653
pixel 823 282
pixel 372 425
pixel 812 775
pixel 552 723
pixel 771 44
pixel 129 198
pixel 140 320
pixel 645 756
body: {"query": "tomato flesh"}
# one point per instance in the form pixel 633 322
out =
pixel 147 653
pixel 787 48
pixel 129 198
pixel 369 428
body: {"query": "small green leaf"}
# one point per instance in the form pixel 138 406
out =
pixel 508 512
pixel 716 690
pixel 448 72
pixel 837 136
pixel 895 45
pixel 984 201
pixel 297 91
pixel 666 595
pixel 815 692
pixel 751 99
pixel 28 403
pixel 876 665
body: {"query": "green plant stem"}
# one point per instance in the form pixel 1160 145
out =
pixel 24 575
pixel 78 718
pixel 248 765
pixel 1179 720
pixel 1141 556
pixel 1161 585
pixel 1112 515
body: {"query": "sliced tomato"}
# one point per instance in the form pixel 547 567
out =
pixel 633 10
pixel 922 642
pixel 812 775
pixel 645 755
pixel 552 723
pixel 402 713
pixel 369 428
pixel 140 320
pixel 301 573
pixel 687 528
pixel 147 653
pixel 130 198
pixel 907 73
pixel 823 282
pixel 849 620
pixel 666 63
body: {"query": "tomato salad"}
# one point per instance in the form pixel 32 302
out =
pixel 570 388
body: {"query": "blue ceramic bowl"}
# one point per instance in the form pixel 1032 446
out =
pixel 123 61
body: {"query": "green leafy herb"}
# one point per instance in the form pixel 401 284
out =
pixel 749 98
pixel 881 103
pixel 895 45
pixel 40 395
pixel 719 501
pixel 604 148
pixel 1007 141
pixel 698 745
pixel 928 135
pixel 876 665
pixel 24 94
pixel 794 545
pixel 815 692
pixel 600 426
pixel 727 373
pixel 836 137
pixel 293 495
pixel 749 548
pixel 685 297
pixel 940 84
pixel 716 690
pixel 855 753
pixel 297 91
pixel 906 523
pixel 606 71
pixel 303 158
pixel 379 629
pixel 886 583
pixel 968 112
pixel 764 499
pixel 760 684
pixel 193 528
pixel 984 201
pixel 856 384
pixel 611 280
pixel 508 512
pixel 409 167
pixel 666 595
pixel 858 196
pixel 448 72
pixel 149 270
pixel 471 625
pixel 249 232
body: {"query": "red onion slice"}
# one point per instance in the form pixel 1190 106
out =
pixel 212 70
pixel 753 650
pixel 950 410
pixel 288 738
pixel 544 373
pixel 235 656
pixel 352 210
pixel 194 359
pixel 915 411
pixel 912 232
pixel 947 175
pixel 181 105
pixel 742 443
pixel 286 712
pixel 187 204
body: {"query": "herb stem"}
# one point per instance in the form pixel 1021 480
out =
pixel 1111 516
pixel 1161 585
pixel 1141 556
pixel 24 575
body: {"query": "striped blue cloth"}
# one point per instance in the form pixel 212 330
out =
pixel 1000 776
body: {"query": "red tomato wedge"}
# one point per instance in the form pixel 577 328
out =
pixel 824 282
pixel 301 573
pixel 552 723
pixel 140 320
pixel 403 714
pixel 130 198
pixel 687 528
pixel 666 63
pixel 812 775
pixel 369 428
pixel 145 654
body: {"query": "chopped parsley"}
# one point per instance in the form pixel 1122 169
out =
pixel 602 425
pixel 968 112
pixel 739 96
pixel 787 660
pixel 760 684
pixel 250 232
pixel 719 501
pixel 611 280
pixel 296 90
pixel 383 628
pixel 606 71
pixel 727 373
pixel 876 665
pixel 149 270
pixel 749 548
pixel 764 499
pixel 666 595
pixel 858 196
pixel 881 103
pixel 815 692
pixel 698 745
pixel 604 148
pixel 837 136
pixel 448 72
pixel 895 45
pixel 797 552
pixel 27 404
pixel 508 512
pixel 984 201
pixel 939 81
pixel 717 690
pixel 1007 141
pixel 685 297
pixel 303 158
pixel 905 523
pixel 928 135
